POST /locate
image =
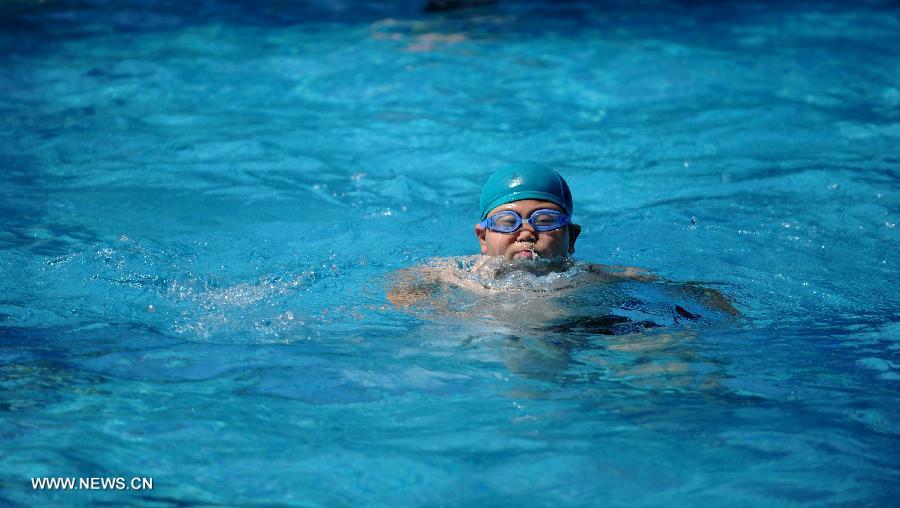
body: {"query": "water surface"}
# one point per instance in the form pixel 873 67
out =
pixel 202 208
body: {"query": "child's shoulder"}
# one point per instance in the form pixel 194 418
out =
pixel 412 285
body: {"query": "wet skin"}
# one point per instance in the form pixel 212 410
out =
pixel 527 241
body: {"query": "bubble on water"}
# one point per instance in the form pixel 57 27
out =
pixel 208 309
pixel 535 274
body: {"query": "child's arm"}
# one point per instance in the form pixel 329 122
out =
pixel 413 285
pixel 611 273
pixel 707 296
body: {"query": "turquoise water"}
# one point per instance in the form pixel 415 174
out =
pixel 202 206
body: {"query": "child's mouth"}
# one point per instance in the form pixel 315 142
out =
pixel 526 254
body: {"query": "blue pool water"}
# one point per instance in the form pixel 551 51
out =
pixel 203 205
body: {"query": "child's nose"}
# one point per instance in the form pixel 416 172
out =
pixel 527 232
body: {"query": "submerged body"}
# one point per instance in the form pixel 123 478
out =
pixel 540 315
pixel 536 293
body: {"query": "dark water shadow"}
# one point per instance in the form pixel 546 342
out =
pixel 28 27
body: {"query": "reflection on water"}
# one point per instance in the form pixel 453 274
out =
pixel 31 387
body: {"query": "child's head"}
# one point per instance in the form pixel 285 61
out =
pixel 526 213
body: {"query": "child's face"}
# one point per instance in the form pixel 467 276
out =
pixel 527 241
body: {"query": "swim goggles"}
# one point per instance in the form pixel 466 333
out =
pixel 509 221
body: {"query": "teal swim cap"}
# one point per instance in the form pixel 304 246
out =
pixel 525 181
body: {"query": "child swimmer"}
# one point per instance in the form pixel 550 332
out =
pixel 527 237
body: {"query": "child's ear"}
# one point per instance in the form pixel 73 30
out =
pixel 480 232
pixel 574 231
